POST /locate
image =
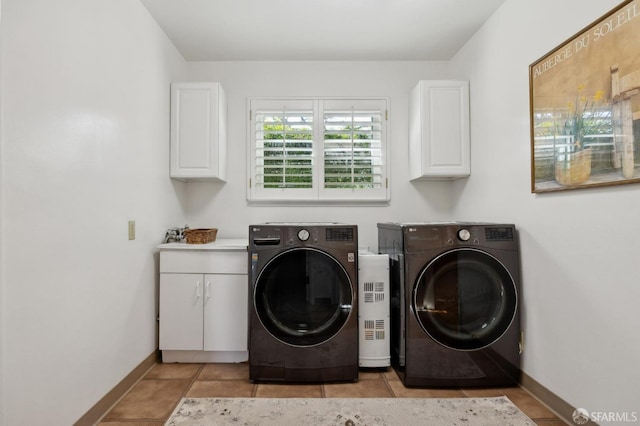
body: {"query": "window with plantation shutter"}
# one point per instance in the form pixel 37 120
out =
pixel 307 150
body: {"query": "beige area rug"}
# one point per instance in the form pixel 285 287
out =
pixel 348 412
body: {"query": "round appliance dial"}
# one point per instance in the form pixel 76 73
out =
pixel 464 235
pixel 303 235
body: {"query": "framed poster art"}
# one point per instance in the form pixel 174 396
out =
pixel 585 106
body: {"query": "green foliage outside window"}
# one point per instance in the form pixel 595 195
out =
pixel 349 147
pixel 287 156
pixel 349 166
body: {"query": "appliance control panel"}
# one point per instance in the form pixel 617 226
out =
pixel 417 237
pixel 291 234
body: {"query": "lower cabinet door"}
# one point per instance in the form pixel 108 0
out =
pixel 181 304
pixel 225 312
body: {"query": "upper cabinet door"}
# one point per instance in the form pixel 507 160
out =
pixel 198 131
pixel 439 130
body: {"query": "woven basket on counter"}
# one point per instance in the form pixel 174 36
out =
pixel 200 236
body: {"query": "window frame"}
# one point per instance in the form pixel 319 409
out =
pixel 317 194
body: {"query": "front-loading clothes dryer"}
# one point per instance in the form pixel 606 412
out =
pixel 303 322
pixel 455 314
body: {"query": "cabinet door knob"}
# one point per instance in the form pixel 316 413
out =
pixel 207 290
pixel 198 290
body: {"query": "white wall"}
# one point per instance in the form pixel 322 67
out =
pixel 2 279
pixel 84 149
pixel 225 206
pixel 579 248
pixel 85 143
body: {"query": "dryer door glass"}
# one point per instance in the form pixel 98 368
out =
pixel 303 297
pixel 465 299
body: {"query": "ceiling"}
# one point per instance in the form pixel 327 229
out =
pixel 231 30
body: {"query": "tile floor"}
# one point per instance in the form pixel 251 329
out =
pixel 152 400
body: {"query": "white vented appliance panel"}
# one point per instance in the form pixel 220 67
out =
pixel 373 310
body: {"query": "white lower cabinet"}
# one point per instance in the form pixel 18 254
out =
pixel 203 316
pixel 197 310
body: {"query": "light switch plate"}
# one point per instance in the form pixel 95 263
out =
pixel 132 229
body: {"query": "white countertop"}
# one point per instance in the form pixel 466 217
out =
pixel 223 244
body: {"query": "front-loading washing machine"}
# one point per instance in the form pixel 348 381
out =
pixel 455 313
pixel 303 322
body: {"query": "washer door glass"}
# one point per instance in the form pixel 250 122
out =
pixel 465 299
pixel 303 297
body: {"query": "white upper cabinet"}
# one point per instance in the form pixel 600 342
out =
pixel 198 131
pixel 439 130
